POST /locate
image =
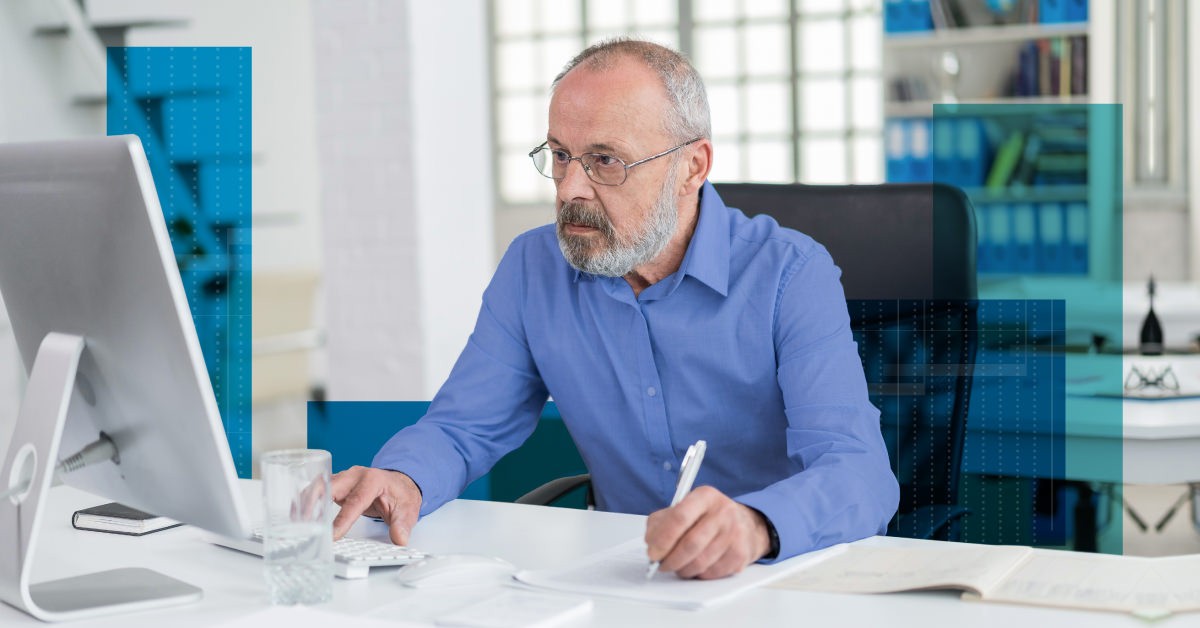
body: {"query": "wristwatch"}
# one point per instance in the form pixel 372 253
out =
pixel 773 538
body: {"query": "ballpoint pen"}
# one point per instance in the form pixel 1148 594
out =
pixel 683 486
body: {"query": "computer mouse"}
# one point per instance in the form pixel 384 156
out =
pixel 449 570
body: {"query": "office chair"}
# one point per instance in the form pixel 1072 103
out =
pixel 907 254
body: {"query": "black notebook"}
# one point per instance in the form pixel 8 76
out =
pixel 119 519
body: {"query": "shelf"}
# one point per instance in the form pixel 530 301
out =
pixel 1028 194
pixel 924 108
pixel 981 35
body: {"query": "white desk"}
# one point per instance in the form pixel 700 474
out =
pixel 529 536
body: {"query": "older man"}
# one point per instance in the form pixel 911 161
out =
pixel 655 316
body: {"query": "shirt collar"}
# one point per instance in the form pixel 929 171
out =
pixel 707 257
pixel 711 237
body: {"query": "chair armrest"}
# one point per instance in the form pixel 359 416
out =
pixel 553 490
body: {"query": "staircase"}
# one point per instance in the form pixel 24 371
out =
pixel 194 124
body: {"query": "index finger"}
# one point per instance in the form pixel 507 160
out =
pixel 355 503
pixel 342 483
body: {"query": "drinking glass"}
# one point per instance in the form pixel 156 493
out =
pixel 298 530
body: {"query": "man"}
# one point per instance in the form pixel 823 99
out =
pixel 655 316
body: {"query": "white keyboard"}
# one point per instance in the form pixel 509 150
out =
pixel 352 558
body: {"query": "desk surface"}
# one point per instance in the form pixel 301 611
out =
pixel 529 536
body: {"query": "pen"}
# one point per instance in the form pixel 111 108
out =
pixel 683 486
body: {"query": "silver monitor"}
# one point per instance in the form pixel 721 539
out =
pixel 104 329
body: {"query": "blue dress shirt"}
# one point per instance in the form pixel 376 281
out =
pixel 747 346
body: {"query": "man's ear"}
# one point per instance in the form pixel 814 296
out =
pixel 698 163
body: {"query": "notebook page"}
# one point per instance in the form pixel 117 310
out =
pixel 871 569
pixel 621 572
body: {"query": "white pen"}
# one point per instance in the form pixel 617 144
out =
pixel 683 486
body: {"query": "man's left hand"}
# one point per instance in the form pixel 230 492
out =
pixel 706 535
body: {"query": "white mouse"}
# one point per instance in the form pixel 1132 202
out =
pixel 448 570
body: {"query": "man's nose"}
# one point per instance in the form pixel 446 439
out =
pixel 575 183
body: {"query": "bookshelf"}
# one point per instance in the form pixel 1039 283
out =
pixel 1000 104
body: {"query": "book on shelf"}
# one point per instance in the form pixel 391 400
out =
pixel 1148 587
pixel 119 519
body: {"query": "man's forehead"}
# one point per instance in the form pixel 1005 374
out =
pixel 605 108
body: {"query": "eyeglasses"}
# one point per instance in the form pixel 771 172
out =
pixel 1149 379
pixel 604 169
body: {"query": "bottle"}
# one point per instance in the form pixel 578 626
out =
pixel 1152 333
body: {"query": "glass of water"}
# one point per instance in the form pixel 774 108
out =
pixel 298 535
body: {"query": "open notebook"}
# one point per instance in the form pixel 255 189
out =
pixel 620 572
pixel 1021 575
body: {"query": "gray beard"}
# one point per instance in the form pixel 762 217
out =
pixel 617 256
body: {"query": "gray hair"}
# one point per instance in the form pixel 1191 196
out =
pixel 689 116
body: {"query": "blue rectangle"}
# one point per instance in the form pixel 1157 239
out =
pixel 191 109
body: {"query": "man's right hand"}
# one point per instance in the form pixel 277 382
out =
pixel 389 495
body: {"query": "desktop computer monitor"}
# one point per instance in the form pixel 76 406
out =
pixel 85 257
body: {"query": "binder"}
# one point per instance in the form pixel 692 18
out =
pixel 920 157
pixel 983 244
pixel 1052 11
pixel 1076 10
pixel 1024 238
pixel 1052 249
pixel 896 150
pixel 920 17
pixel 1000 238
pixel 1077 238
pixel 945 152
pixel 895 16
pixel 972 159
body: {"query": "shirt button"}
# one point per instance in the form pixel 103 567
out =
pixel 666 466
pixel 650 391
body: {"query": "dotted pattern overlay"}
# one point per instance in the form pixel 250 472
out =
pixel 191 109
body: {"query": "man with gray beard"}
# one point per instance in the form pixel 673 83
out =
pixel 655 316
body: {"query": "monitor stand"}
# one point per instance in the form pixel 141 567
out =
pixel 32 456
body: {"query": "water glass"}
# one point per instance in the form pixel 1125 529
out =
pixel 298 531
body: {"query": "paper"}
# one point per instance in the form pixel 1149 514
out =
pixel 308 617
pixel 621 572
pixel 518 609
pixel 858 569
pixel 1020 575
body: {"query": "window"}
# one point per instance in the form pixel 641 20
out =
pixel 794 85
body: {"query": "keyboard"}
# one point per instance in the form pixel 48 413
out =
pixel 352 558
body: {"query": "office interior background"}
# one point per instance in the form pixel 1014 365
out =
pixel 390 142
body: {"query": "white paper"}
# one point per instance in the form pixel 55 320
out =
pixel 309 617
pixel 518 609
pixel 620 572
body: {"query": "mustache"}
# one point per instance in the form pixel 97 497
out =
pixel 580 214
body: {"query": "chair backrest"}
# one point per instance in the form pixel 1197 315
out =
pixel 907 254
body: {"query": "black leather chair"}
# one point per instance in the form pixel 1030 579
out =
pixel 907 254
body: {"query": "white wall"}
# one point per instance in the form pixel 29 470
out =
pixel 402 118
pixel 452 133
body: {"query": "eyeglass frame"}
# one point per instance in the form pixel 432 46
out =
pixel 546 146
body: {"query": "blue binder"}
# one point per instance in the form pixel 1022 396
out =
pixel 983 241
pixel 1052 11
pixel 1024 237
pixel 945 151
pixel 895 16
pixel 1000 241
pixel 971 163
pixel 1052 240
pixel 919 15
pixel 1077 237
pixel 895 140
pixel 1077 10
pixel 920 154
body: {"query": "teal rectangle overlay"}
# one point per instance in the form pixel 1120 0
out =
pixel 191 107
